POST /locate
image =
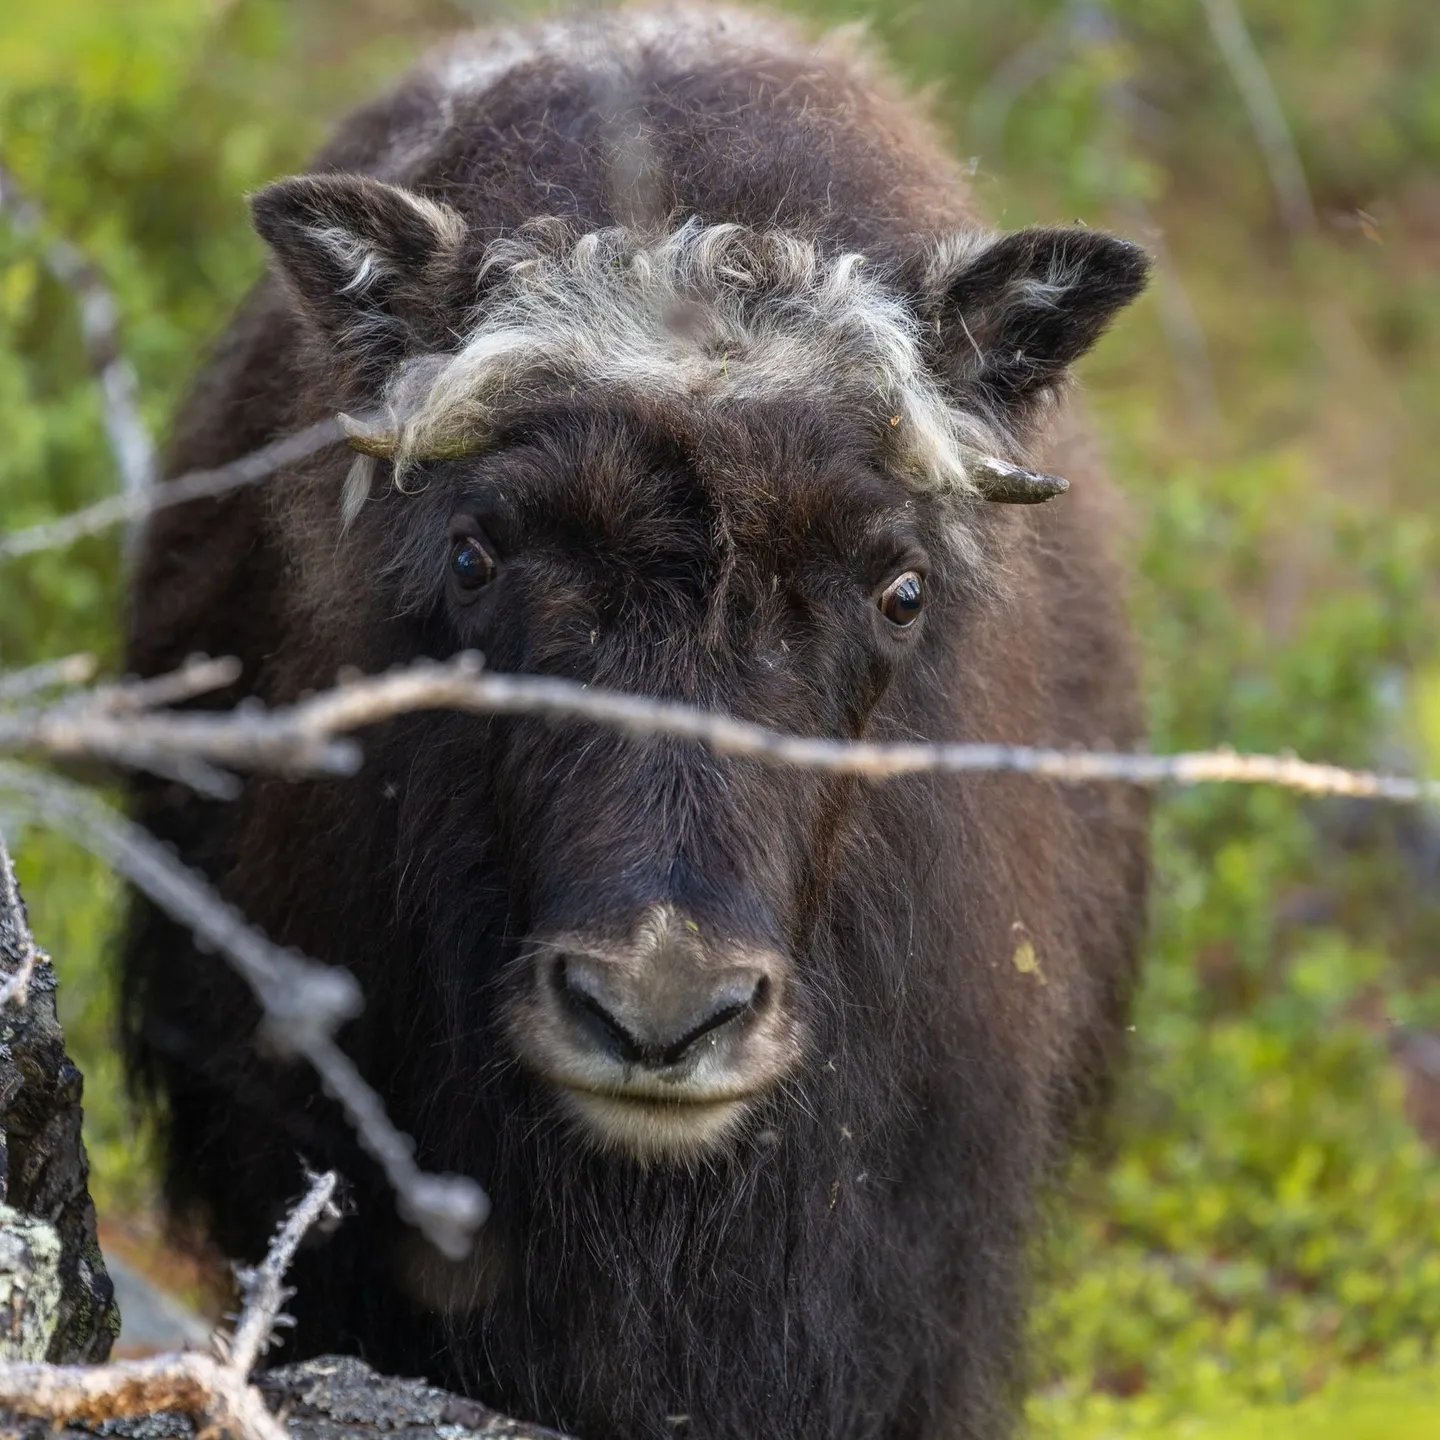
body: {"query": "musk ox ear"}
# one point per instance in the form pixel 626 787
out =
pixel 1011 312
pixel 368 263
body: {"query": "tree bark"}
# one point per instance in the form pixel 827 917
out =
pixel 333 1398
pixel 56 1300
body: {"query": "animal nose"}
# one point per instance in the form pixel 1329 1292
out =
pixel 655 1020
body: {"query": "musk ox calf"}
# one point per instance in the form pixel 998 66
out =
pixel 677 362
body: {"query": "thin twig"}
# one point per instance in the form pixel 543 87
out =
pixel 301 997
pixel 199 675
pixel 304 1002
pixel 47 675
pixel 129 437
pixel 193 485
pixel 213 1386
pixel 1267 115
pixel 1184 333
pixel 446 1209
pixel 302 738
pixel 264 1287
pixel 16 986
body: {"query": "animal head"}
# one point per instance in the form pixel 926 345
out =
pixel 719 465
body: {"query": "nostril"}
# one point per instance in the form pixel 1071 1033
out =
pixel 763 994
pixel 736 1000
pixel 583 996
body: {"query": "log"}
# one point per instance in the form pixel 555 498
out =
pixel 332 1398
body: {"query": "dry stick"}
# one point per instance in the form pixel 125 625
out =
pixel 301 738
pixel 47 675
pixel 193 485
pixel 16 986
pixel 192 1384
pixel 1183 330
pixel 263 1287
pixel 1422 1049
pixel 989 113
pixel 189 1384
pixel 460 686
pixel 130 440
pixel 1267 116
pixel 199 675
pixel 304 1002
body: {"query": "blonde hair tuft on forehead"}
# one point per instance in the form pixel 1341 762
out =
pixel 704 315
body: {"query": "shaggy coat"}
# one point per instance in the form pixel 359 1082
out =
pixel 671 344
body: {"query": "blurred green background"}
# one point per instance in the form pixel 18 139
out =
pixel 1260 1256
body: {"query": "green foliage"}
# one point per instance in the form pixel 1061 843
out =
pixel 1368 1407
pixel 139 129
pixel 107 124
pixel 1271 1218
pixel 1261 1254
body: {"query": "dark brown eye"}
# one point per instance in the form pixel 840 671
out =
pixel 471 563
pixel 903 599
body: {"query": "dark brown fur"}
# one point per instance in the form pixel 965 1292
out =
pixel 851 1262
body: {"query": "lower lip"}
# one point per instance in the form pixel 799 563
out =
pixel 660 1104
pixel 652 1129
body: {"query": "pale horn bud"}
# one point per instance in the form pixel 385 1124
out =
pixel 383 442
pixel 1008 484
pixel 369 438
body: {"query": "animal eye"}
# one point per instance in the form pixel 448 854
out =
pixel 471 563
pixel 903 599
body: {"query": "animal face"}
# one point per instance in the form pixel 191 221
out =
pixel 756 559
pixel 718 467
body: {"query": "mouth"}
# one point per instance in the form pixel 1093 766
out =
pixel 652 1127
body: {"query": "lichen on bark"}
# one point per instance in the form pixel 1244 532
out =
pixel 44 1172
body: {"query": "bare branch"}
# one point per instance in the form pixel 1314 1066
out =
pixel 446 1209
pixel 199 675
pixel 116 727
pixel 16 986
pixel 194 485
pixel 303 998
pixel 1095 26
pixel 1183 331
pixel 130 440
pixel 48 675
pixel 1267 116
pixel 263 1287
pixel 304 1002
pixel 302 738
pixel 1020 72
pixel 192 1384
